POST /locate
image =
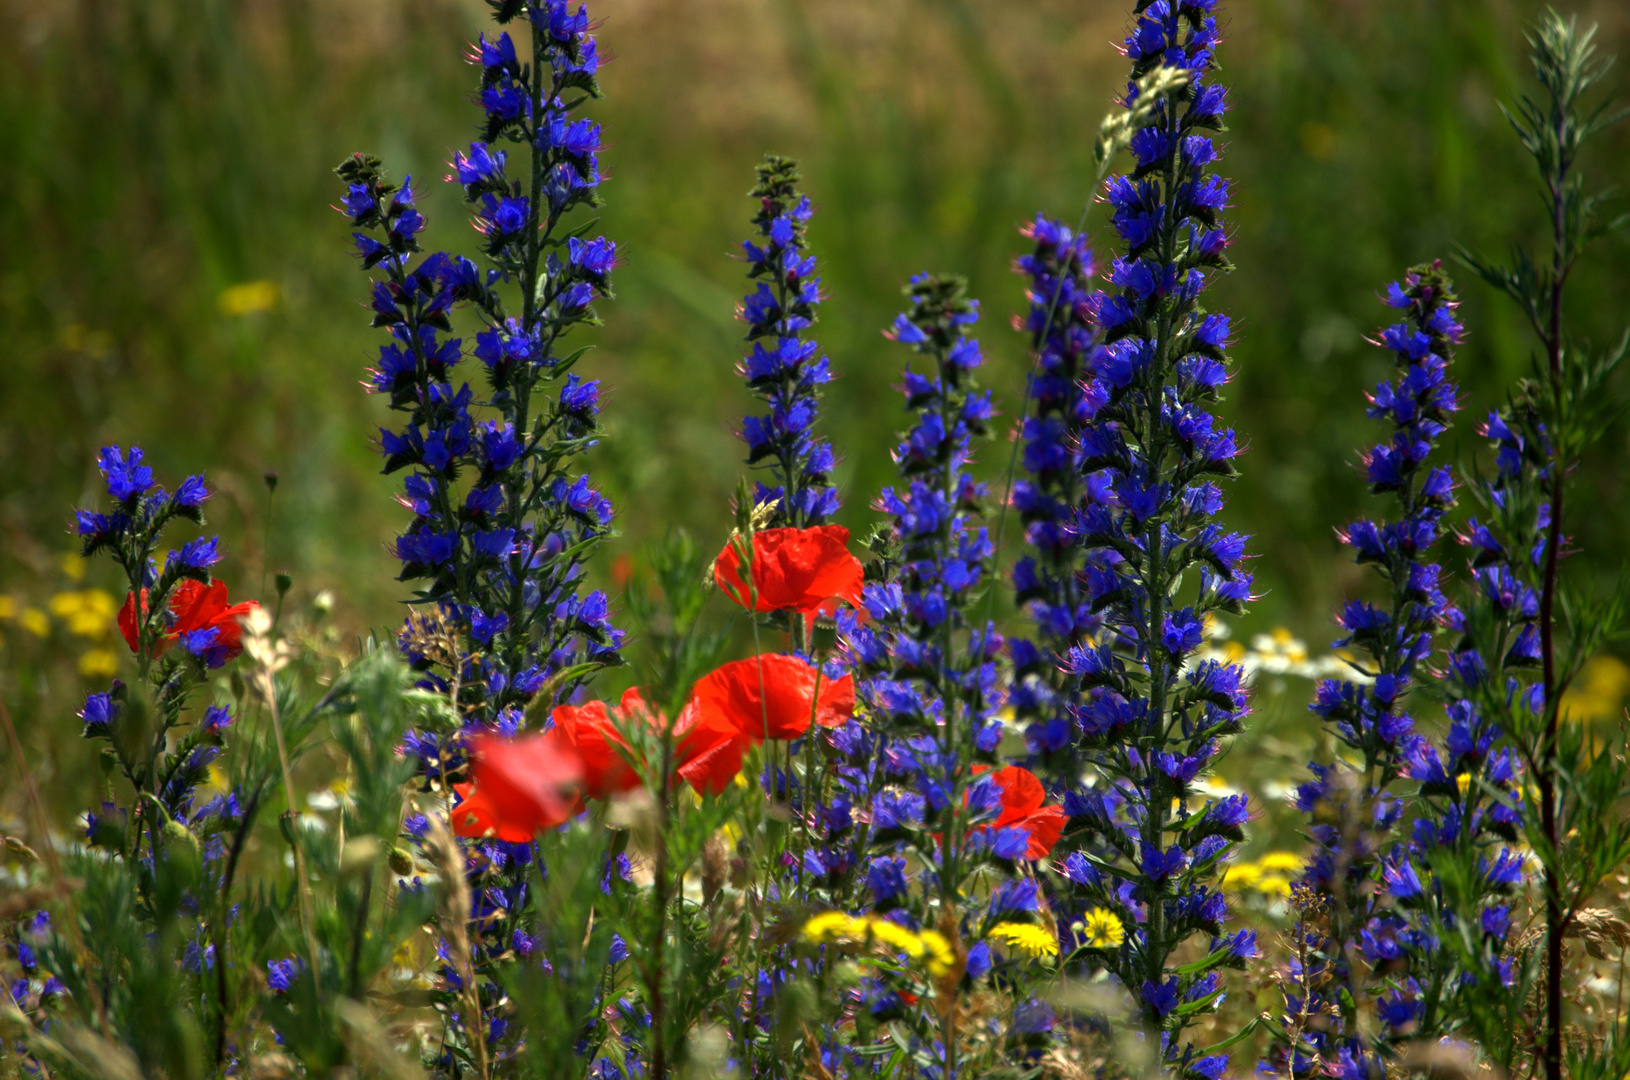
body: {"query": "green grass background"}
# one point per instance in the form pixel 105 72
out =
pixel 155 153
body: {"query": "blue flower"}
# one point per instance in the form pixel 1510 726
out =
pixel 1160 999
pixel 197 554
pixel 99 713
pixel 789 376
pixel 280 974
pixel 127 478
pixel 887 880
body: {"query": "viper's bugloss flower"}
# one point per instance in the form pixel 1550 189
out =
pixel 1061 480
pixel 98 713
pixel 502 520
pixel 1454 820
pixel 1142 713
pixel 791 569
pixel 785 369
pixel 280 974
pixel 924 669
pixel 127 478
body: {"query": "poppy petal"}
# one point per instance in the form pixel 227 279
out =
pixel 528 781
pixel 1046 826
pixel 773 696
pixel 1022 794
pixel 127 620
pixel 793 569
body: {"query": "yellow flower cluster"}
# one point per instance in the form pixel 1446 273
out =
pixel 86 613
pixel 1026 937
pixel 926 946
pixel 1270 875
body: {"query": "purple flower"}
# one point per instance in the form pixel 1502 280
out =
pixel 127 478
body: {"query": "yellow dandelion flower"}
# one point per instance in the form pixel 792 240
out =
pixel 98 663
pixel 1101 929
pixel 1282 862
pixel 1464 783
pixel 64 604
pixel 1025 937
pixel 829 926
pixel 8 606
pixel 73 565
pixel 1241 876
pixel 892 934
pixel 1274 885
pixel 35 621
pixel 940 956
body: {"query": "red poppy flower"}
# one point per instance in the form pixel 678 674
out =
pixel 707 752
pixel 711 747
pixel 591 730
pixel 193 606
pixel 520 786
pixel 774 696
pixel 1022 799
pixel 793 569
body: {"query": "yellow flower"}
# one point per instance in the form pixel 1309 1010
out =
pixel 98 664
pixel 1102 929
pixel 1598 693
pixel 1025 937
pixel 896 936
pixel 1274 885
pixel 1241 876
pixel 73 565
pixel 89 614
pixel 940 956
pixel 829 926
pixel 8 606
pixel 248 298
pixel 1281 861
pixel 1464 783
pixel 35 621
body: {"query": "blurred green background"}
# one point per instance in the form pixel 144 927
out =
pixel 171 274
